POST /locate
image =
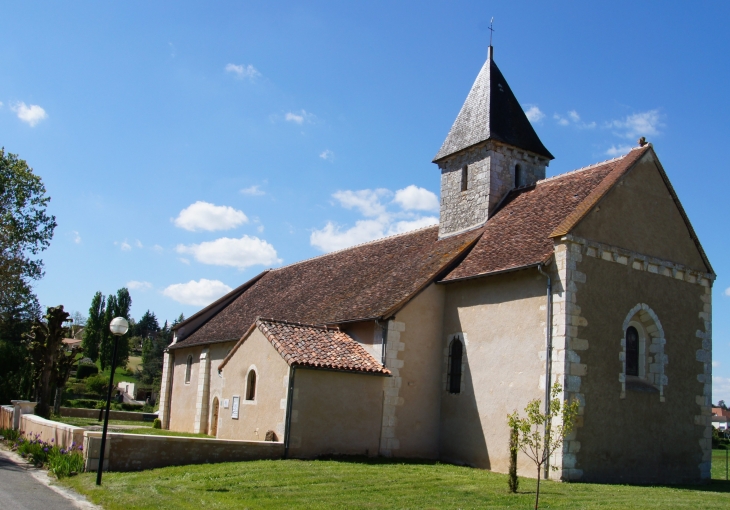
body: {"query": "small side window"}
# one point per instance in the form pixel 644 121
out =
pixel 188 369
pixel 464 177
pixel 632 351
pixel 518 176
pixel 456 353
pixel 251 385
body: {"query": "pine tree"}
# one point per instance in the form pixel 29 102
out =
pixel 94 324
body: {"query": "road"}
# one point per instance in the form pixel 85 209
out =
pixel 23 487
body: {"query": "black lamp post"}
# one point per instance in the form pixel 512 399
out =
pixel 118 327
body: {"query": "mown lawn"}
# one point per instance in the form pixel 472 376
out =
pixel 369 484
pixel 140 427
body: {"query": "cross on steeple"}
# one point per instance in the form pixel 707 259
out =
pixel 491 30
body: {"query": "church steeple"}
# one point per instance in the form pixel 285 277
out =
pixel 491 112
pixel 491 149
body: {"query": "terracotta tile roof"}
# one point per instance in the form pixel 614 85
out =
pixel 520 233
pixel 305 345
pixel 369 281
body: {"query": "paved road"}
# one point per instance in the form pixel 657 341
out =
pixel 22 487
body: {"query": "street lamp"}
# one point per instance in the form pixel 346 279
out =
pixel 118 327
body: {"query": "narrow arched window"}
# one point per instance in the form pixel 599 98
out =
pixel 518 176
pixel 188 368
pixel 251 385
pixel 632 351
pixel 456 352
pixel 464 177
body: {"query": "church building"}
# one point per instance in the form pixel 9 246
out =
pixel 420 344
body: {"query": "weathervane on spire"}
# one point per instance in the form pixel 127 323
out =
pixel 491 30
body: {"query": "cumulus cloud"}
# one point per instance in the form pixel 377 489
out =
pixel 618 150
pixel 241 253
pixel 327 155
pixel 638 124
pixel 720 388
pixel 136 285
pixel 380 218
pixel 210 217
pixel 534 114
pixel 125 246
pixel 200 293
pixel 253 191
pixel 243 71
pixel 299 117
pixel 572 118
pixel 414 198
pixel 31 115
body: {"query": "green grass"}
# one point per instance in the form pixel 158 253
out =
pixel 140 427
pixel 369 484
pixel 718 464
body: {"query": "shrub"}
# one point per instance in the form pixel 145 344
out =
pixel 85 403
pixel 61 461
pixel 9 434
pixel 85 371
pixel 97 384
pixel 157 424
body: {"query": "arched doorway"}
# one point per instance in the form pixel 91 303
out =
pixel 214 418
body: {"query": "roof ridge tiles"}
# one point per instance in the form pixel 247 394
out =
pixel 374 241
pixel 588 167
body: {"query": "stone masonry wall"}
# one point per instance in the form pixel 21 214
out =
pixel 491 175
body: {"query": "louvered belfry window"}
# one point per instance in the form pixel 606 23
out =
pixel 632 351
pixel 456 353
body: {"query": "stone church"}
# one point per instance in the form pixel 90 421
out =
pixel 419 345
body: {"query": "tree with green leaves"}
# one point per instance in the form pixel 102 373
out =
pixel 25 230
pixel 117 305
pixel 94 325
pixel 45 348
pixel 540 434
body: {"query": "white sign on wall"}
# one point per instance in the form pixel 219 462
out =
pixel 234 410
pixel 225 403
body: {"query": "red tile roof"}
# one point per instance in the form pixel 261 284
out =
pixel 305 345
pixel 369 281
pixel 520 233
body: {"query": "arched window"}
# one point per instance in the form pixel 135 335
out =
pixel 456 352
pixel 632 351
pixel 188 369
pixel 464 177
pixel 251 385
pixel 518 176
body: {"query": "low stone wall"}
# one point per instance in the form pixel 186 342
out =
pixel 113 415
pixel 6 417
pixel 135 452
pixel 61 434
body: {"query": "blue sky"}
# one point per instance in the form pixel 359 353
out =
pixel 183 142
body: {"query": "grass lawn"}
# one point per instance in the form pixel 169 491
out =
pixel 89 422
pixel 369 484
pixel 718 464
pixel 140 427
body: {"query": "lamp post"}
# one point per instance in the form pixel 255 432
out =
pixel 118 327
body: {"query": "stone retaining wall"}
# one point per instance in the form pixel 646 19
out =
pixel 61 434
pixel 135 452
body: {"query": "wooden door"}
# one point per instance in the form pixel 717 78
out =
pixel 214 419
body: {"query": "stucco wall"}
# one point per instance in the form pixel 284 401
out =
pixel 60 433
pixel 503 319
pixel 134 452
pixel 639 214
pixel 335 413
pixel 418 381
pixel 268 410
pixel 184 395
pixel 6 417
pixel 639 438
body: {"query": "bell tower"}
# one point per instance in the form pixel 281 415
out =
pixel 491 149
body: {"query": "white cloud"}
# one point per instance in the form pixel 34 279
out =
pixel 414 198
pixel 253 191
pixel 200 293
pixel 562 121
pixel 138 244
pixel 639 124
pixel 157 248
pixel 727 291
pixel 293 117
pixel 184 261
pixel 260 228
pixel 534 114
pixel 31 115
pixel 720 388
pixel 573 119
pixel 327 155
pixel 715 364
pixel 77 236
pixel 241 253
pixel 1 104
pixel 135 285
pixel 207 216
pixel 379 221
pixel 243 71
pixel 574 116
pixel 618 151
pixel 299 117
pixel 125 246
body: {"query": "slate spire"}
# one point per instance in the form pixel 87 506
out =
pixel 491 112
